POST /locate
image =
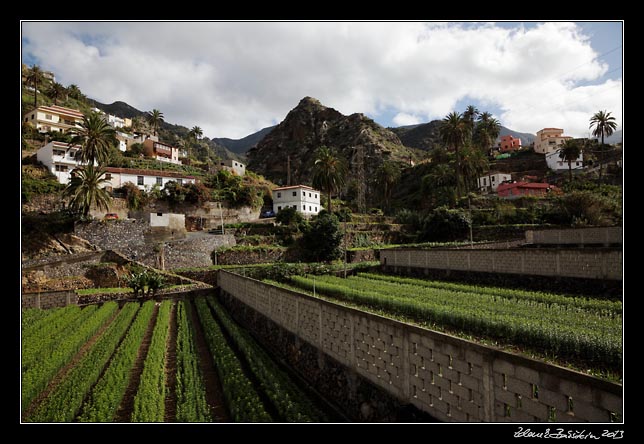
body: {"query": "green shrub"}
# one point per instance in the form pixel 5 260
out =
pixel 323 238
pixel 443 224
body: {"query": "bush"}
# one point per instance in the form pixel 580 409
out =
pixel 585 208
pixel 289 217
pixel 443 224
pixel 32 187
pixel 344 214
pixel 323 238
pixel 135 197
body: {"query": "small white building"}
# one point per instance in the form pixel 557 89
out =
pixel 491 181
pixel 304 199
pixel 233 166
pixel 60 159
pixel 172 221
pixel 144 179
pixel 555 163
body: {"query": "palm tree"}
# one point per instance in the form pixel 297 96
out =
pixel 439 185
pixel 604 125
pixel 454 132
pixel 155 118
pixel 56 91
pixel 196 132
pixel 330 173
pixel 388 174
pixel 486 131
pixel 137 123
pixel 473 164
pixel 569 152
pixel 35 76
pixel 95 136
pixel 470 114
pixel 75 92
pixel 84 189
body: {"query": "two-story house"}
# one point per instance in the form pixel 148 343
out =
pixel 549 140
pixel 304 199
pixel 60 159
pixel 53 118
pixel 233 166
pixel 492 180
pixel 161 151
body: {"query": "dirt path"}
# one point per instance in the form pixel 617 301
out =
pixel 63 371
pixel 214 393
pixel 170 414
pixel 124 412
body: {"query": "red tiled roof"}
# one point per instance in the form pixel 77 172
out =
pixel 62 110
pixel 142 172
pixel 534 185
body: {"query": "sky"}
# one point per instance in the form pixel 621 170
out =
pixel 235 78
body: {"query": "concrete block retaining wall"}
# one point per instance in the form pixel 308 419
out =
pixel 451 379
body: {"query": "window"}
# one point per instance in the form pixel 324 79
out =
pixel 309 194
pixel 294 193
pixel 139 180
pixel 61 168
pixel 33 116
pixel 492 179
pixel 316 209
pixel 310 208
pixel 180 181
pixel 108 176
pixel 316 196
pixel 303 207
pixel 159 214
pixel 576 163
pixel 279 208
pixel 59 152
pixel 295 207
pixel 72 154
pixel 26 119
pixel 159 181
pixel 48 116
pixel 279 195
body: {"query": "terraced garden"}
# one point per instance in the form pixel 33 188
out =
pixel 183 361
pixel 584 332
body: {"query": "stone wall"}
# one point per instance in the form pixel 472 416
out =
pixel 209 213
pixel 577 236
pixel 451 379
pixel 576 263
pixel 50 299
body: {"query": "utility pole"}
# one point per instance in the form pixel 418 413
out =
pixel 360 177
pixel 469 206
pixel 221 215
pixel 345 248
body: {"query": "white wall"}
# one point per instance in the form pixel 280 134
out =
pixel 149 181
pixel 57 163
pixel 305 201
pixel 173 221
pixel 557 164
pixel 492 181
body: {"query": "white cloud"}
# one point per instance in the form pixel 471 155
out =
pixel 232 79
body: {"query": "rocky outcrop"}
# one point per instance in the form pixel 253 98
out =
pixel 310 125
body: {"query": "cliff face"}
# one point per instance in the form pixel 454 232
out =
pixel 310 125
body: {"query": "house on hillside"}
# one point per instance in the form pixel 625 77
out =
pixel 144 179
pixel 304 199
pixel 549 140
pixel 114 121
pixel 518 189
pixel 53 118
pixel 555 163
pixel 491 181
pixel 233 166
pixel 509 143
pixel 161 151
pixel 60 159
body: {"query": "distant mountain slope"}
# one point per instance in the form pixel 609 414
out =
pixel 310 125
pixel 425 136
pixel 117 108
pixel 616 137
pixel 241 146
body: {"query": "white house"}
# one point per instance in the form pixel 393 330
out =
pixel 144 179
pixel 304 199
pixel 233 166
pixel 53 118
pixel 556 164
pixel 491 181
pixel 60 159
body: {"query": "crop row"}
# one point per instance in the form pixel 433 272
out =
pixel 33 318
pixel 578 335
pixel 106 395
pixel 36 378
pixel 243 401
pixel 191 392
pixel 291 404
pixel 598 305
pixel 59 328
pixel 64 403
pixel 149 403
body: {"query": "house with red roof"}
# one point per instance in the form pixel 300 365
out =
pixel 518 189
pixel 53 118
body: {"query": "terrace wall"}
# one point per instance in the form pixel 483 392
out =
pixel 451 379
pixel 577 236
pixel 49 299
pixel 573 263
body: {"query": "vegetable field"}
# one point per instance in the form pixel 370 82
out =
pixel 583 331
pixel 144 363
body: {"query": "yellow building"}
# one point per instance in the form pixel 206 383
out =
pixel 53 118
pixel 549 140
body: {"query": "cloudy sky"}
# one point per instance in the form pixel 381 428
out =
pixel 234 78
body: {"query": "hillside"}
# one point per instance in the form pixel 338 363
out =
pixel 241 146
pixel 310 125
pixel 426 135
